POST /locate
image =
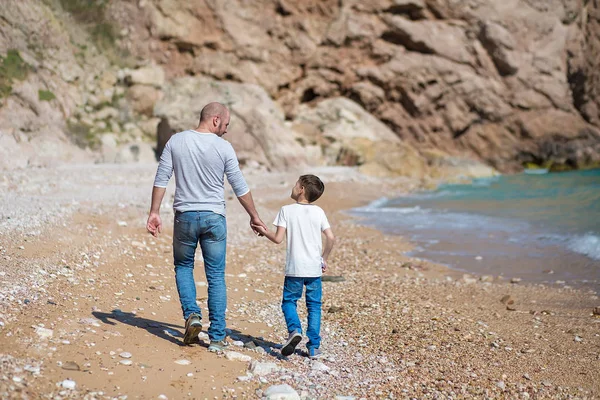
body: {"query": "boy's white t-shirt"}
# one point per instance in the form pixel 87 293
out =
pixel 304 224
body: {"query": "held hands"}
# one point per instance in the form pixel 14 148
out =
pixel 154 224
pixel 258 226
pixel 260 230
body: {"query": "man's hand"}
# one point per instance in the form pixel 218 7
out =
pixel 260 230
pixel 154 224
pixel 256 223
pixel 324 265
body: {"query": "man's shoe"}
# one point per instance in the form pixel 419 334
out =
pixel 315 353
pixel 290 345
pixel 218 346
pixel 193 326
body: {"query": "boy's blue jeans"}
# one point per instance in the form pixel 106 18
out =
pixel 292 292
pixel 210 230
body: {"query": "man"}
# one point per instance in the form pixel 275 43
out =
pixel 200 158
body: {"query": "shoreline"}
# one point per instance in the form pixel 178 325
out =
pixel 393 326
pixel 486 248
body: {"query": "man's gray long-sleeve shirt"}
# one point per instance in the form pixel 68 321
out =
pixel 200 162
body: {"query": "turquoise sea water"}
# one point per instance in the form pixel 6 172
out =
pixel 541 227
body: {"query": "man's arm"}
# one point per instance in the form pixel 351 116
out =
pixel 247 202
pixel 240 188
pixel 154 224
pixel 163 174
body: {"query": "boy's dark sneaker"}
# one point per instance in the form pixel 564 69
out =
pixel 315 353
pixel 290 345
pixel 193 326
pixel 218 346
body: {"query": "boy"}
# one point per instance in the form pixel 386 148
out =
pixel 306 260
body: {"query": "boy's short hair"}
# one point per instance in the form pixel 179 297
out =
pixel 313 187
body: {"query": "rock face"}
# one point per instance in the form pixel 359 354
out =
pixel 505 83
pixel 462 77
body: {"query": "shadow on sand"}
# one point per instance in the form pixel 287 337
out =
pixel 174 333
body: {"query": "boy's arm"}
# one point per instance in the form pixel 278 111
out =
pixel 328 243
pixel 276 237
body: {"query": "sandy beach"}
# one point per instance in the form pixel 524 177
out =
pixel 89 308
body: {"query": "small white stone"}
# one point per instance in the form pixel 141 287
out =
pixel 479 258
pixel 163 397
pixel 125 354
pixel 235 356
pixel 578 339
pixel 238 343
pixel 183 362
pixel 281 392
pixel 189 374
pixel 319 366
pixel 68 384
pixel 44 333
pixel 501 385
pixel 263 368
pixel 125 362
pixel 122 223
pixel 17 379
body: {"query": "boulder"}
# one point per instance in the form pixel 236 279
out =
pixel 142 98
pixel 499 43
pixel 430 37
pixel 151 75
pixel 351 136
pixel 257 130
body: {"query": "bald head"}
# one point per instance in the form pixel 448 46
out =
pixel 214 118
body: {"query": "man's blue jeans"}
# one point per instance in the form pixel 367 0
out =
pixel 292 292
pixel 210 230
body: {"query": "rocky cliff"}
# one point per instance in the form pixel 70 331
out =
pixel 412 87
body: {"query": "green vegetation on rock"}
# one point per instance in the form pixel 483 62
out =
pixel 12 68
pixel 85 11
pixel 83 135
pixel 46 95
pixel 91 14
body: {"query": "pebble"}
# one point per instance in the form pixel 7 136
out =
pixel 68 384
pixel 501 385
pixel 578 339
pixel 263 368
pixel 17 379
pixel 125 354
pixel 71 366
pixel 238 343
pixel 281 392
pixel 235 356
pixel 44 333
pixel 162 397
pixel 126 362
pixel 515 280
pixel 319 366
pixel 183 362
pixel 35 370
